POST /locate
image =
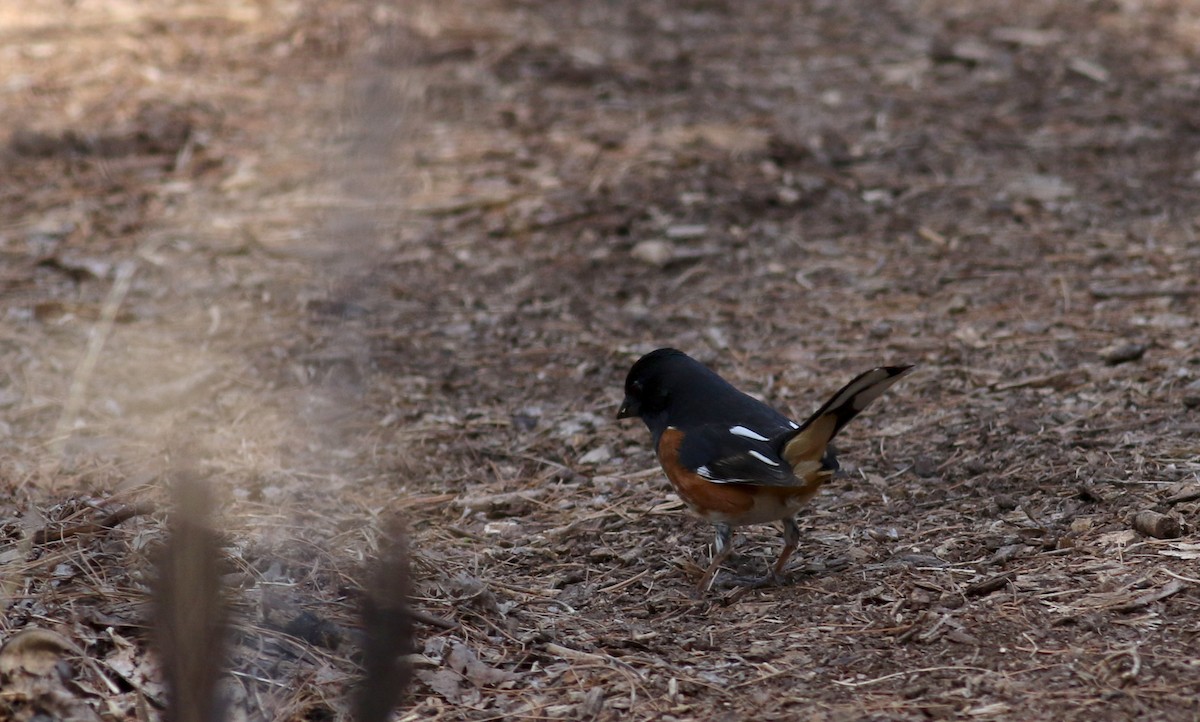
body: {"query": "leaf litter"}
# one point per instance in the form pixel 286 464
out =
pixel 422 303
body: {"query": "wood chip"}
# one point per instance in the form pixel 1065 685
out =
pixel 1173 587
pixel 989 585
pixel 1159 526
pixel 1089 70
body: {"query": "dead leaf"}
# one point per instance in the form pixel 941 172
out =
pixel 463 660
pixel 1118 538
pixel 443 681
pixel 37 680
pixel 1182 550
pixel 34 651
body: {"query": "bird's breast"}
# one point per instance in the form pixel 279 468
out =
pixel 735 504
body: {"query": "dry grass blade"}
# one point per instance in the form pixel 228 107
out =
pixel 387 629
pixel 190 615
pixel 87 365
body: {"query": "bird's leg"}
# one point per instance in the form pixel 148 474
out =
pixel 722 548
pixel 791 540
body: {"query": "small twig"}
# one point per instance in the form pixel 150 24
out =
pixel 1054 379
pixel 1180 577
pixel 1151 597
pixel 432 619
pixel 879 630
pixel 989 585
pixel 46 535
pixel 893 675
pixel 462 205
pixel 1141 292
pixel 769 675
pixel 580 656
pixel 491 501
pixel 1128 425
pixel 623 583
pixel 1183 496
pixel 912 630
pixel 257 678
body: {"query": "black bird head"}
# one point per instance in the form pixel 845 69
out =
pixel 647 391
pixel 667 385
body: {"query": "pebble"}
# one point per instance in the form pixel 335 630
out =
pixel 1124 353
pixel 654 252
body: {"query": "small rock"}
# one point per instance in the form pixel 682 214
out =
pixel 654 252
pixel 1040 188
pixel 881 329
pixel 788 196
pixel 685 232
pixel 1124 353
pixel 598 455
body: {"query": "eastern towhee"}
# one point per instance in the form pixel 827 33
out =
pixel 733 459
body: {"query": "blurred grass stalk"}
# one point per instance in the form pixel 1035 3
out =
pixel 191 618
pixel 387 624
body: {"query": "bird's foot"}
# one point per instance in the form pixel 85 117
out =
pixel 769 580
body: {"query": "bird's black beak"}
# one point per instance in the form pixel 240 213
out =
pixel 629 409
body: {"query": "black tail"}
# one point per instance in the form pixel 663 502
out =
pixel 807 443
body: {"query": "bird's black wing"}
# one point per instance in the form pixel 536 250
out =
pixel 734 455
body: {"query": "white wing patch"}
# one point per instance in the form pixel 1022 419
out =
pixel 705 472
pixel 762 458
pixel 747 433
pixel 793 424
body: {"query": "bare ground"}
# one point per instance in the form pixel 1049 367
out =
pixel 349 261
